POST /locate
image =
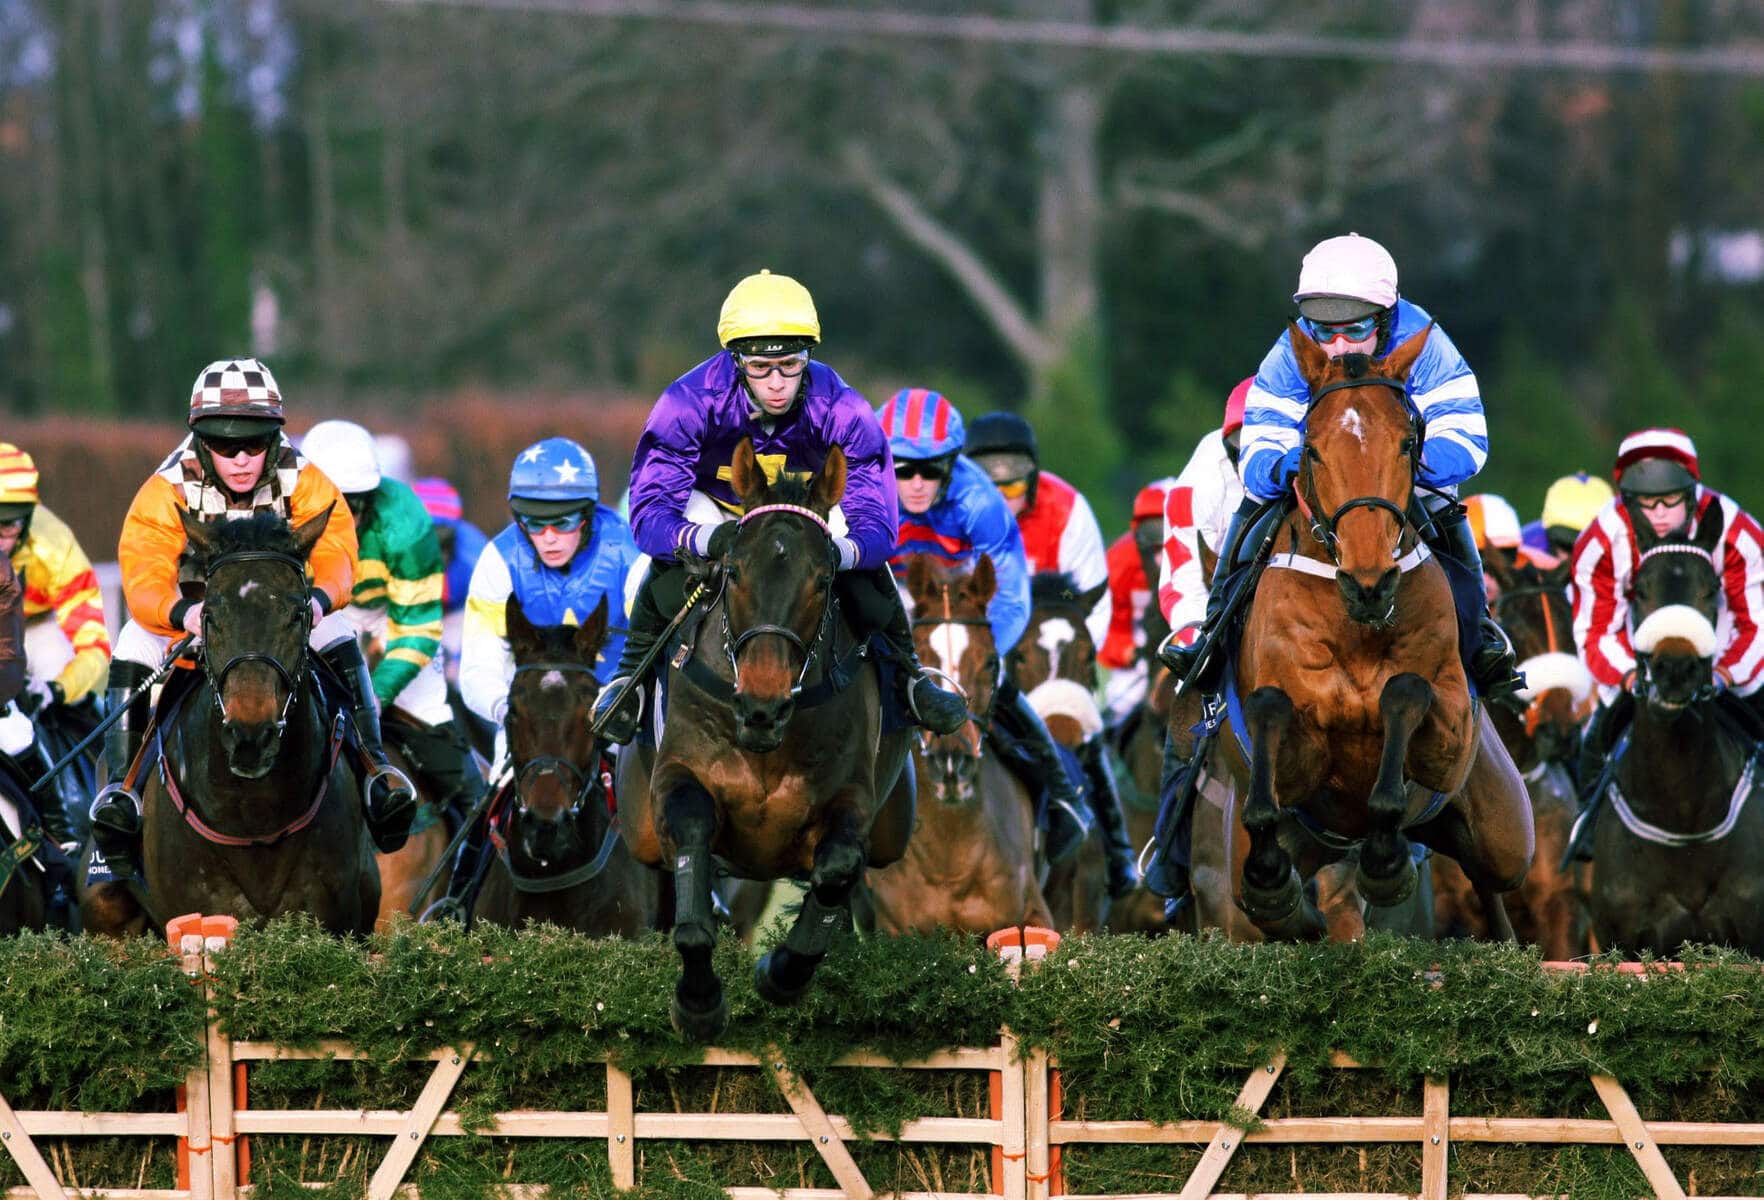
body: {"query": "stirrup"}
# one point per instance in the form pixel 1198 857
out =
pixel 618 720
pixel 107 798
pixel 388 771
pixel 954 692
pixel 448 908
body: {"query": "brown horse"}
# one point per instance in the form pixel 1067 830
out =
pixel 1549 909
pixel 773 756
pixel 558 856
pixel 252 812
pixel 971 864
pixel 1356 704
pixel 1677 845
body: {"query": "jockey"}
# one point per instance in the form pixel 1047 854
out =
pixel 1658 481
pixel 1569 507
pixel 1348 302
pixel 12 638
pixel 1198 512
pixel 1495 524
pixel 1131 587
pixel 950 508
pixel 65 636
pixel 234 463
pixel 562 556
pixel 1059 529
pixel 461 545
pixel 397 598
pixel 762 385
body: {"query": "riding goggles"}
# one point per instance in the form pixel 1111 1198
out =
pixel 1353 331
pixel 565 523
pixel 934 469
pixel 758 367
pixel 1661 503
pixel 1012 489
pixel 232 447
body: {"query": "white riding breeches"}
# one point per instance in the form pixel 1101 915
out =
pixel 47 649
pixel 138 645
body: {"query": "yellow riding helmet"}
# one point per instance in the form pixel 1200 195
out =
pixel 768 306
pixel 18 475
pixel 1574 500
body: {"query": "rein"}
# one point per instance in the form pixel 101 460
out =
pixel 977 722
pixel 209 833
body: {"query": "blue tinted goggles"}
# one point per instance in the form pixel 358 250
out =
pixel 1354 331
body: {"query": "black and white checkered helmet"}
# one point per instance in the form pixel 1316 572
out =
pixel 235 387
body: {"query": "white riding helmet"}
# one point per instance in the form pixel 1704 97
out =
pixel 1346 278
pixel 344 451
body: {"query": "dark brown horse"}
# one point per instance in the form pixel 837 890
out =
pixel 773 757
pixel 1678 841
pixel 558 856
pixel 252 813
pixel 971 864
pixel 1355 699
pixel 1549 909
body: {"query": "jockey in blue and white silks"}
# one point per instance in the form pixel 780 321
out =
pixel 970 520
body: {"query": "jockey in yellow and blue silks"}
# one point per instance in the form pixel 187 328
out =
pixel 562 556
pixel 1348 303
pixel 763 386
pixel 950 508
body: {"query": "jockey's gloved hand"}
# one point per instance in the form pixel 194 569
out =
pixel 721 538
pixel 193 620
pixel 37 695
pixel 1288 468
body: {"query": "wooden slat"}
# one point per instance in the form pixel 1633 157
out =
pixel 1436 1116
pixel 1226 1139
pixel 1037 1113
pixel 826 1140
pixel 25 1193
pixel 193 1160
pixel 1595 1132
pixel 24 1152
pixel 709 1127
pixel 1636 1136
pixel 1013 1183
pixel 621 1128
pixel 329 1048
pixel 1275 1129
pixel 51 1123
pixel 415 1130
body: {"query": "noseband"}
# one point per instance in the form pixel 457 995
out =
pixel 289 679
pixel 733 642
pixel 1323 525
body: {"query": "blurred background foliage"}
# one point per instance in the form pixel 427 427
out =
pixel 397 202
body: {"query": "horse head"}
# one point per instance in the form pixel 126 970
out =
pixel 256 620
pixel 953 636
pixel 1357 469
pixel 560 800
pixel 778 590
pixel 1531 604
pixel 1675 603
pixel 1057 643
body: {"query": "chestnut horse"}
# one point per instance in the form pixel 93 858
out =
pixel 1355 699
pixel 773 757
pixel 1677 845
pixel 252 812
pixel 971 864
pixel 557 854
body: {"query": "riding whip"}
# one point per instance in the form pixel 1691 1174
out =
pixel 642 671
pixel 1246 586
pixel 491 788
pixel 116 713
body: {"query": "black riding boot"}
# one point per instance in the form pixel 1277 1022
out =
pixel 620 704
pixel 462 884
pixel 1181 659
pixel 440 756
pixel 1492 665
pixel 116 811
pixel 388 801
pixel 1105 802
pixel 1596 743
pixel 1068 817
pixel 873 600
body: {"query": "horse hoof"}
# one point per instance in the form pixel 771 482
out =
pixel 1272 906
pixel 770 990
pixel 699 1025
pixel 1387 891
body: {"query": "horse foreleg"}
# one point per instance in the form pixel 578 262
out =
pixel 1270 894
pixel 1387 874
pixel 699 1009
pixel 783 975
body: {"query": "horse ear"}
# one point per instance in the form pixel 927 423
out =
pixel 1711 527
pixel 521 633
pixel 829 482
pixel 307 534
pixel 1399 361
pixel 1312 361
pixel 592 633
pixel 919 575
pixel 1558 575
pixel 1089 600
pixel 197 533
pixel 746 477
pixel 983 583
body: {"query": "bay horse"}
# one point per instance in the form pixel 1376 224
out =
pixel 971 863
pixel 557 852
pixel 1677 845
pixel 773 757
pixel 1354 696
pixel 1549 909
pixel 252 811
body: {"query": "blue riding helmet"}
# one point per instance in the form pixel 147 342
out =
pixel 554 471
pixel 921 424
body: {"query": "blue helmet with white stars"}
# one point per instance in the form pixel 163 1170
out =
pixel 554 472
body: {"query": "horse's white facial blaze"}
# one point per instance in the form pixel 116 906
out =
pixel 551 680
pixel 246 588
pixel 1055 634
pixel 1350 421
pixel 948 644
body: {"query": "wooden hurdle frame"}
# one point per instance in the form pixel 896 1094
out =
pixel 1025 1133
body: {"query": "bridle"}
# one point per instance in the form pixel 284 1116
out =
pixel 1642 683
pixel 809 648
pixel 976 721
pixel 587 782
pixel 1323 525
pixel 552 764
pixel 289 679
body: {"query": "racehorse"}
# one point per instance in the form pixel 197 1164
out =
pixel 251 811
pixel 1056 644
pixel 773 756
pixel 1350 672
pixel 22 904
pixel 558 856
pixel 971 864
pixel 1549 909
pixel 1677 846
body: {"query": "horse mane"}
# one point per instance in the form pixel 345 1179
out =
pixel 1355 366
pixel 262 530
pixel 789 489
pixel 554 643
pixel 1053 589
